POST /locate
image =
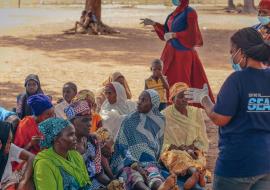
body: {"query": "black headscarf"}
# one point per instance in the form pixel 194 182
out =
pixel 23 109
pixel 5 129
pixel 252 44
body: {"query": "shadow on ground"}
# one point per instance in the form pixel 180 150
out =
pixel 9 92
pixel 136 44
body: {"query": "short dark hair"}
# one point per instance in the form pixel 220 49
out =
pixel 71 85
pixel 157 62
pixel 252 44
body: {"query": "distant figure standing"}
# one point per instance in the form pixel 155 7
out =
pixel 182 34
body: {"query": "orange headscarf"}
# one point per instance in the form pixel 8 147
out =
pixel 176 89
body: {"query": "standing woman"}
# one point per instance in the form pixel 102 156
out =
pixel 182 34
pixel 243 113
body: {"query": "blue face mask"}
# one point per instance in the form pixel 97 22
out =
pixel 264 20
pixel 235 66
pixel 176 2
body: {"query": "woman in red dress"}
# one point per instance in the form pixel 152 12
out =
pixel 182 34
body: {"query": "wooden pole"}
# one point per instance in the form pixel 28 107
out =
pixel 19 3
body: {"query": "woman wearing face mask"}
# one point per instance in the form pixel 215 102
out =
pixel 264 18
pixel 182 34
pixel 243 113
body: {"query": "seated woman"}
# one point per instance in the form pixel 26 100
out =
pixel 115 107
pixel 28 135
pixel 59 166
pixel 139 143
pixel 79 113
pixel 69 92
pixel 89 97
pixel 114 77
pixel 11 153
pixel 32 87
pixel 185 136
pixel 119 77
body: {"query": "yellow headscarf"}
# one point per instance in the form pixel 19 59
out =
pixel 176 89
pixel 84 95
pixel 113 77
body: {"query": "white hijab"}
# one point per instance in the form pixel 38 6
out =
pixel 114 114
pixel 122 105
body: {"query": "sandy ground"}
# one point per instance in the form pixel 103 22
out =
pixel 31 41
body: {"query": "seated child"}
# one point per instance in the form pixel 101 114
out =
pixel 91 23
pixel 82 20
pixel 106 143
pixel 158 82
pixel 186 161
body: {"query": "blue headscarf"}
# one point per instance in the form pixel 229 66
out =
pixel 39 103
pixel 140 137
pixel 50 128
pixel 155 100
pixel 4 114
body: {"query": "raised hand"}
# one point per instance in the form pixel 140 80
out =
pixel 196 95
pixel 147 21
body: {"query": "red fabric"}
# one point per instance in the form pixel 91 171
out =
pixel 184 66
pixel 191 37
pixel 159 28
pixel 264 4
pixel 26 130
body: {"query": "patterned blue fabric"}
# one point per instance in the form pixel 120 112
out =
pixel 50 128
pixel 155 100
pixel 70 183
pixel 140 139
pixel 90 164
pixel 179 24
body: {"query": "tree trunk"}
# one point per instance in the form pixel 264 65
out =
pixel 249 6
pixel 95 7
pixel 231 4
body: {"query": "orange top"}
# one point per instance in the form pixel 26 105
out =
pixel 27 129
pixel 96 122
pixel 151 83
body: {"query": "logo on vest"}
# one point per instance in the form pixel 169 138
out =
pixel 258 103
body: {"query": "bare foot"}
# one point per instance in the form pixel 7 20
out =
pixel 202 181
pixel 169 183
pixel 138 168
pixel 191 182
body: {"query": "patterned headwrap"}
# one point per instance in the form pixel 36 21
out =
pixel 264 4
pixel 77 109
pixel 84 95
pixel 50 128
pixel 176 89
pixel 155 100
pixel 39 103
